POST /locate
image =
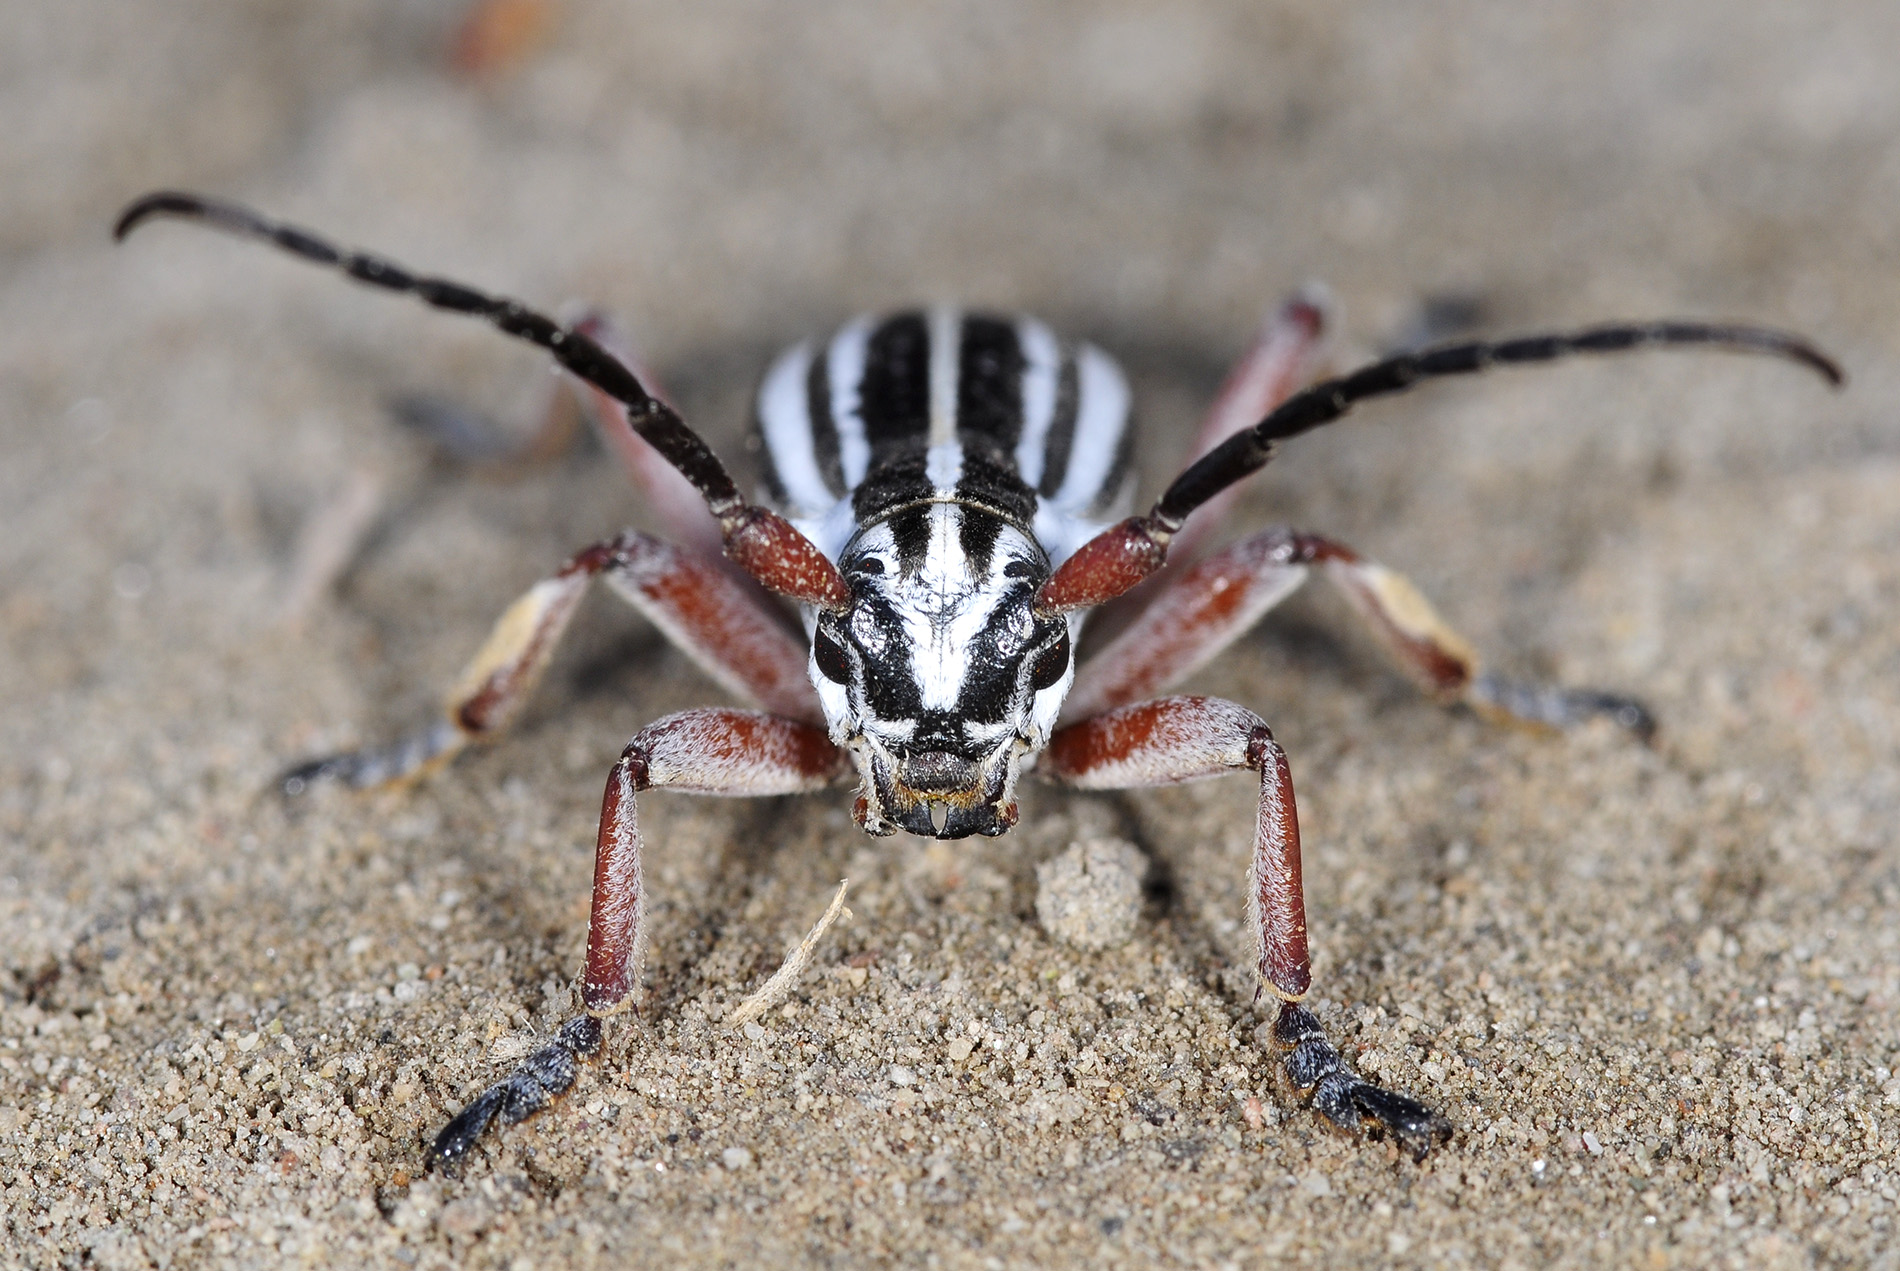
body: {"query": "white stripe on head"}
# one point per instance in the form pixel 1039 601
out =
pixel 1101 417
pixel 940 636
pixel 844 366
pixel 785 419
pixel 1042 375
pixel 949 608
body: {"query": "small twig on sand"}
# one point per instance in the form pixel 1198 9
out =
pixel 774 990
pixel 327 544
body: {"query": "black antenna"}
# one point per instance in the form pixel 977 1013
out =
pixel 1247 452
pixel 653 419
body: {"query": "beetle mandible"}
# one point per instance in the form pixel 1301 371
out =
pixel 945 499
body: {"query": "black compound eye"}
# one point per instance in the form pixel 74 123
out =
pixel 1050 664
pixel 832 663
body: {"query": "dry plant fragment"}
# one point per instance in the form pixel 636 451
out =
pixel 327 545
pixel 773 991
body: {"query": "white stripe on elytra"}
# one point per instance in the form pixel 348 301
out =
pixel 1101 414
pixel 845 367
pixel 946 348
pixel 1042 374
pixel 785 419
pixel 943 466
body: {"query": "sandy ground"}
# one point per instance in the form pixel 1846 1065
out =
pixel 1656 989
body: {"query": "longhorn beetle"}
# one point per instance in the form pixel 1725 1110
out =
pixel 945 499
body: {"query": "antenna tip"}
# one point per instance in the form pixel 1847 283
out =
pixel 1826 367
pixel 157 203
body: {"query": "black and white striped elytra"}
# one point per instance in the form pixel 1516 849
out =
pixel 947 461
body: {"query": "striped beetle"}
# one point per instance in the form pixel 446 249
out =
pixel 947 500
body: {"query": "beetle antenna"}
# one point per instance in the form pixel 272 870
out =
pixel 1247 452
pixel 579 353
pixel 762 543
pixel 1112 562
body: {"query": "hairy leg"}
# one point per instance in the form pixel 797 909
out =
pixel 713 751
pixel 1286 354
pixel 1176 739
pixel 1212 604
pixel 723 623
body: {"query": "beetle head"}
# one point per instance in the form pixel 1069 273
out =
pixel 938 676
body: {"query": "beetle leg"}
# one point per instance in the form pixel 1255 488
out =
pixel 675 503
pixel 1211 605
pixel 717 751
pixel 1195 616
pixel 1176 739
pixel 1443 663
pixel 1285 355
pixel 731 630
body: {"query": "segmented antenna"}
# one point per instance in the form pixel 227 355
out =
pixel 650 417
pixel 760 541
pixel 1246 452
pixel 1118 558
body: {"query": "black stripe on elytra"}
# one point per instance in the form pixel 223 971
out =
pixel 894 395
pixel 894 480
pixel 1055 464
pixel 989 477
pixel 990 365
pixel 1117 474
pixel 768 470
pixel 824 429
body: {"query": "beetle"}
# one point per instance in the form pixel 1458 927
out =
pixel 945 499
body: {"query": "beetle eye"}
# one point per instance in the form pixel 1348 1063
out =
pixel 1050 664
pixel 832 663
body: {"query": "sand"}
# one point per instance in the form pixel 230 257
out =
pixel 1654 988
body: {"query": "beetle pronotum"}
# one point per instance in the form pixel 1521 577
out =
pixel 945 499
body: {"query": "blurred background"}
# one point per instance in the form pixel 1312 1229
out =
pixel 221 553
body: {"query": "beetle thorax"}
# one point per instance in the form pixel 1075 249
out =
pixel 938 677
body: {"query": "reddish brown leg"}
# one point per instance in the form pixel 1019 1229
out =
pixel 1210 605
pixel 1175 739
pixel 675 503
pixel 725 625
pixel 1200 613
pixel 711 751
pixel 1286 355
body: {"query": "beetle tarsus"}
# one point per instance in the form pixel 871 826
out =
pixel 1557 707
pixel 372 766
pixel 1342 1096
pixel 545 1073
